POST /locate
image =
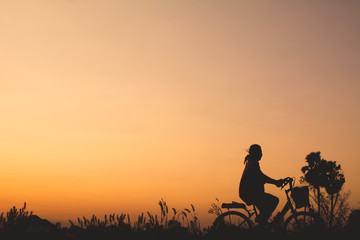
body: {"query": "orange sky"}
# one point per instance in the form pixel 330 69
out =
pixel 107 106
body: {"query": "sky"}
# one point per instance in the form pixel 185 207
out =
pixel 109 106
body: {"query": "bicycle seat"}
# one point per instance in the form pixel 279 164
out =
pixel 233 205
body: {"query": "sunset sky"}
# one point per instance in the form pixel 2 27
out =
pixel 109 106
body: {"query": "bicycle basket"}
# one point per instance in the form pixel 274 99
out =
pixel 300 195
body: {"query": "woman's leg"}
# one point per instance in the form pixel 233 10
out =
pixel 266 205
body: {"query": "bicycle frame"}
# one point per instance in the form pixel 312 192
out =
pixel 297 219
pixel 281 214
pixel 288 206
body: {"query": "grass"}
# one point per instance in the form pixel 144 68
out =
pixel 170 224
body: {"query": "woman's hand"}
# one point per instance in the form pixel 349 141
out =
pixel 279 182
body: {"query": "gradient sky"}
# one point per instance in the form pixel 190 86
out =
pixel 107 106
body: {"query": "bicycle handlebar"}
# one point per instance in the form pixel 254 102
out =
pixel 287 181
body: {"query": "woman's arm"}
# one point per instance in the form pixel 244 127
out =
pixel 272 181
pixel 269 179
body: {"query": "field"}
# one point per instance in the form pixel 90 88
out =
pixel 171 224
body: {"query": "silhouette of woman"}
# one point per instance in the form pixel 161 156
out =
pixel 252 182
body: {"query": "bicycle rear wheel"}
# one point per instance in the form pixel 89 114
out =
pixel 300 221
pixel 233 219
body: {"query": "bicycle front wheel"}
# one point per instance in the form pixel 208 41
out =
pixel 233 219
pixel 300 221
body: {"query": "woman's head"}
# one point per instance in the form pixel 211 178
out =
pixel 255 153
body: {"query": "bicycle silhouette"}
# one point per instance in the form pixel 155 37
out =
pixel 296 221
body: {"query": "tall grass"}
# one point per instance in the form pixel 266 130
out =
pixel 169 224
pixel 168 220
pixel 14 218
pixel 215 208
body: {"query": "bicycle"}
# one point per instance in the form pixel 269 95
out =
pixel 296 221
